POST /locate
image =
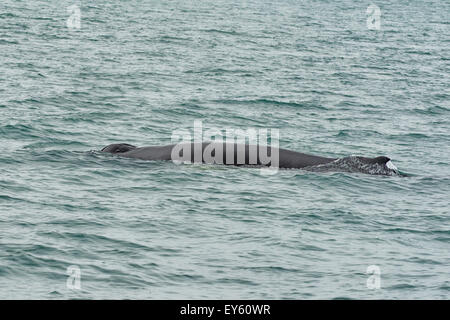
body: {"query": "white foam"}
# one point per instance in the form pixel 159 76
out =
pixel 391 166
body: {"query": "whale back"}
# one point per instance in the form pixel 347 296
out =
pixel 287 159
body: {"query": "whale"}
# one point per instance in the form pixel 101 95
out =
pixel 251 155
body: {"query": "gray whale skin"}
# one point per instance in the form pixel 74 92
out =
pixel 286 158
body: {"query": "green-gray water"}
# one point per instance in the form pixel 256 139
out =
pixel 137 70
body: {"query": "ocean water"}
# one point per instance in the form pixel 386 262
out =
pixel 79 224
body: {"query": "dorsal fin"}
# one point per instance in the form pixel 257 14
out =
pixel 380 160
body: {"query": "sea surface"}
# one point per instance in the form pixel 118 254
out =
pixel 76 223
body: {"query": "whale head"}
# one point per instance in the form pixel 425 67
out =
pixel 118 148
